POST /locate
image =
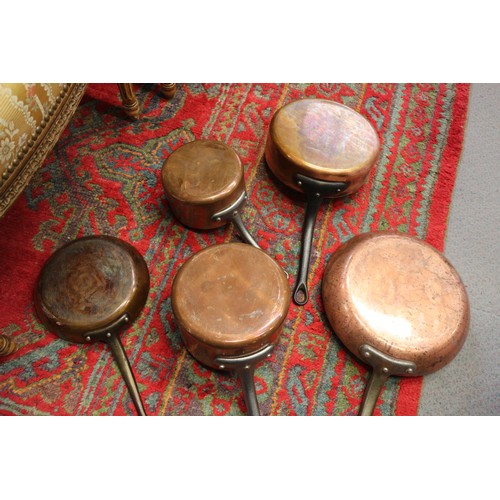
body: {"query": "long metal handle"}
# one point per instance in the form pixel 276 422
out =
pixel 383 366
pixel 315 190
pixel 372 392
pixel 301 294
pixel 244 366
pixel 232 213
pixel 123 364
pixel 247 380
pixel 245 235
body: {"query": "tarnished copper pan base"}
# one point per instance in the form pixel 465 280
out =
pixel 399 295
pixel 204 185
pixel 396 303
pixel 321 139
pixel 229 300
pixel 89 290
pixel 324 150
pixel 200 179
pixel 90 283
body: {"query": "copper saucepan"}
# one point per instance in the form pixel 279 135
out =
pixel 230 301
pixel 324 150
pixel 204 185
pixel 89 290
pixel 396 303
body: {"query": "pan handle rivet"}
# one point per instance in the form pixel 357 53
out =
pixel 299 183
pixel 367 354
pixel 410 370
pixel 218 219
pixel 316 194
pixel 221 367
pixel 269 355
pixel 385 369
pixel 108 335
pixel 88 339
pixel 235 213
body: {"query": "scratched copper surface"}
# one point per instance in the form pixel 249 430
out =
pixel 89 283
pixel 228 300
pixel 398 294
pixel 321 139
pixel 200 179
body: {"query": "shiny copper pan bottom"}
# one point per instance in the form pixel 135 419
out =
pixel 396 302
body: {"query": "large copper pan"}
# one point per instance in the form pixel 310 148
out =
pixel 204 185
pixel 91 289
pixel 230 301
pixel 324 150
pixel 396 303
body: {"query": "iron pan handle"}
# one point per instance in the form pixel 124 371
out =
pixel 315 190
pixel 244 366
pixel 111 337
pixel 383 366
pixel 232 213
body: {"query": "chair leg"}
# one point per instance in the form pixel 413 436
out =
pixel 7 346
pixel 168 90
pixel 129 100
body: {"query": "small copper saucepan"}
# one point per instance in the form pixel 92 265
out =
pixel 204 185
pixel 396 303
pixel 324 150
pixel 230 301
pixel 89 290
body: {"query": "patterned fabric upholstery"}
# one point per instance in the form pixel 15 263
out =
pixel 32 117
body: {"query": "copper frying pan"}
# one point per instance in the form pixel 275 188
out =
pixel 324 150
pixel 89 290
pixel 230 301
pixel 396 303
pixel 205 186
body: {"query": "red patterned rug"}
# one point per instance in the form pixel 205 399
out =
pixel 103 177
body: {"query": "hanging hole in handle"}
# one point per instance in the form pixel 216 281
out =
pixel 301 295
